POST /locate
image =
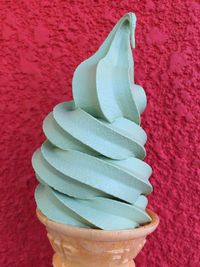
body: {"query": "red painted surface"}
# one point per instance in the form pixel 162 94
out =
pixel 42 42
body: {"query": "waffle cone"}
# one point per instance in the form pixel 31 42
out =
pixel 80 247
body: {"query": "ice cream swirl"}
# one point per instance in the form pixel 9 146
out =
pixel 91 167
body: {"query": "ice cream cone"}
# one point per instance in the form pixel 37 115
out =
pixel 81 247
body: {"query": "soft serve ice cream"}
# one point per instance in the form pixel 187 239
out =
pixel 90 168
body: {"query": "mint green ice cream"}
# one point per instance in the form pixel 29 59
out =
pixel 90 168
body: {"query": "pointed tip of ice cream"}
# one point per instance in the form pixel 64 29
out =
pixel 132 18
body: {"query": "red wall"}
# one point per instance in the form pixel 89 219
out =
pixel 42 42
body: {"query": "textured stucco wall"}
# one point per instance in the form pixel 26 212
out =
pixel 42 42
